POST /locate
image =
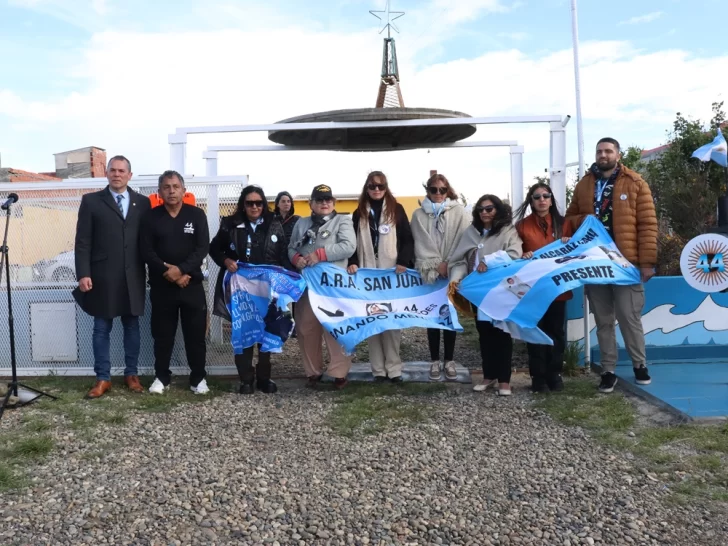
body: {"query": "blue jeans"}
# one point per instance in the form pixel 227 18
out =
pixel 102 346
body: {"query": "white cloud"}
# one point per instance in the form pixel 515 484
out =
pixel 132 89
pixel 466 10
pixel 516 36
pixel 640 19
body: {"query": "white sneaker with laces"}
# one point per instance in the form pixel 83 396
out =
pixel 435 370
pixel 157 387
pixel 201 388
pixel 451 371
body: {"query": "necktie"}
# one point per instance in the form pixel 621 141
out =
pixel 119 199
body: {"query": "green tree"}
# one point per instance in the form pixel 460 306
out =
pixel 685 189
pixel 632 158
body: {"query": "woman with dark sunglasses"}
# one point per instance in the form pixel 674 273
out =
pixel 251 235
pixel 541 227
pixel 383 241
pixel 491 231
pixel 437 227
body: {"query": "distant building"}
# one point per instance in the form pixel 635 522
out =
pixel 89 162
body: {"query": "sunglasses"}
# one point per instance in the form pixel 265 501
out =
pixel 377 187
pixel 434 191
pixel 251 204
pixel 539 196
pixel 489 208
pixel 322 200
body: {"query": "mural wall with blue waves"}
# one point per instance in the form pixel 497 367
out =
pixel 674 314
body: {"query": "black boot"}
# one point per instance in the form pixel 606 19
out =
pixel 267 386
pixel 246 387
pixel 538 384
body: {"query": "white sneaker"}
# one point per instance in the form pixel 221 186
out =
pixel 485 385
pixel 451 371
pixel 201 388
pixel 435 370
pixel 157 387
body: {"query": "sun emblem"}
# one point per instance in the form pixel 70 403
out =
pixel 704 263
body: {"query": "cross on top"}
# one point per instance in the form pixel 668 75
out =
pixel 389 19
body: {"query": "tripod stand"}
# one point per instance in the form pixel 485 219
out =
pixel 4 258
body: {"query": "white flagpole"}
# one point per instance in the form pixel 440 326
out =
pixel 580 150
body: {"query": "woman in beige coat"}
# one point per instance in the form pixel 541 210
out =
pixel 437 227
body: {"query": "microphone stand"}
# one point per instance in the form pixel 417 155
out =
pixel 13 385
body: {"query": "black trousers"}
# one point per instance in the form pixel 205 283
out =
pixel 545 361
pixel 496 351
pixel 433 340
pixel 170 305
pixel 244 364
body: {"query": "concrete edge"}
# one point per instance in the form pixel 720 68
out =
pixel 636 390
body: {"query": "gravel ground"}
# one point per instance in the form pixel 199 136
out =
pixel 268 470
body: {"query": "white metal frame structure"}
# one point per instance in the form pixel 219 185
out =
pixel 557 143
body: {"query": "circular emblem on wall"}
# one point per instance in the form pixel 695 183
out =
pixel 704 262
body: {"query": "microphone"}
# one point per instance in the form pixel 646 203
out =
pixel 12 198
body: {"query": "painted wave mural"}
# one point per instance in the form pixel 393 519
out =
pixel 674 314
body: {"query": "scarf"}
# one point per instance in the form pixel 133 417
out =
pixel 316 222
pixel 377 241
pixel 604 200
pixel 451 222
pixel 436 210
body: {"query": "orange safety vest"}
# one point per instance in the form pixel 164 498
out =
pixel 156 200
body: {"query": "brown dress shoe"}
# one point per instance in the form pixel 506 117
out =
pixel 99 389
pixel 132 381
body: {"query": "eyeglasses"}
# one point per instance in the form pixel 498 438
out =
pixel 434 191
pixel 489 208
pixel 539 196
pixel 322 200
pixel 377 187
pixel 251 204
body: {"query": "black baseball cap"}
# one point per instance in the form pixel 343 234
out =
pixel 322 191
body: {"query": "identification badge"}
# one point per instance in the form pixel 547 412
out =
pixel 480 245
pixel 623 197
pixel 274 238
pixel 232 246
pixel 384 229
pixel 325 234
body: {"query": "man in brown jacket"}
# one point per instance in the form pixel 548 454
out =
pixel 622 201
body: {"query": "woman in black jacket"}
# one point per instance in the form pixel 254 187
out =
pixel 285 213
pixel 251 235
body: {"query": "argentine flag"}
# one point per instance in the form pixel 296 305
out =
pixel 716 151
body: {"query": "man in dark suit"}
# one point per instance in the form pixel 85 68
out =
pixel 110 270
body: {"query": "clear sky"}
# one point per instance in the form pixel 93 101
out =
pixel 122 74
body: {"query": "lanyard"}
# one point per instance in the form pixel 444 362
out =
pixel 374 227
pixel 599 192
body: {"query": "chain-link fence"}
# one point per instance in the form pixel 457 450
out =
pixel 52 334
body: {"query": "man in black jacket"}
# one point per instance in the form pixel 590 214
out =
pixel 174 242
pixel 110 270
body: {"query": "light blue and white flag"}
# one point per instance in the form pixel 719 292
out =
pixel 256 297
pixel 716 151
pixel 519 293
pixel 354 307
